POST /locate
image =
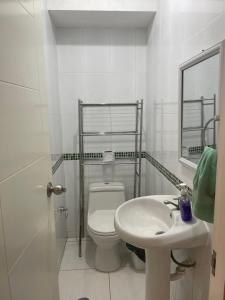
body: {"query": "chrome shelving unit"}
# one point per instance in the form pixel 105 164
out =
pixel 135 160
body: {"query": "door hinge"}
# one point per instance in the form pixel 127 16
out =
pixel 213 262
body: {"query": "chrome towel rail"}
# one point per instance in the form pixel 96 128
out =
pixel 213 119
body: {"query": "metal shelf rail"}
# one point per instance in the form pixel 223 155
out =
pixel 135 161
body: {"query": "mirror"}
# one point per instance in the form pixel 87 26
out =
pixel 199 105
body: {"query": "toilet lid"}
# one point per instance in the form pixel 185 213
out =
pixel 102 221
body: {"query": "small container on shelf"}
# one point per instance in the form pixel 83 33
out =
pixel 108 156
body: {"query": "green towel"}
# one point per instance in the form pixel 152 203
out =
pixel 204 183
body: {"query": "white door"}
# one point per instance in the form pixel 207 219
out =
pixel 27 238
pixel 217 281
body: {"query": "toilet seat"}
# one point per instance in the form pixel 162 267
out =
pixel 101 222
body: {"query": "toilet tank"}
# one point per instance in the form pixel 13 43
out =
pixel 104 196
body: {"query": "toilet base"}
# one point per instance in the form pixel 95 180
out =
pixel 107 260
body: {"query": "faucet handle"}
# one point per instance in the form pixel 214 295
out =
pixel 177 198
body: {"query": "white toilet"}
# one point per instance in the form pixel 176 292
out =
pixel 104 198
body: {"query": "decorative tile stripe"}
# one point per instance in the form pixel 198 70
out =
pixel 76 156
pixel 71 156
pixel 198 149
pixel 55 157
pixel 129 154
pixel 99 155
pixel 165 172
pixel 57 163
pixel 123 155
pixel 195 149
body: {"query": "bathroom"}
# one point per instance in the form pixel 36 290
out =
pixel 116 53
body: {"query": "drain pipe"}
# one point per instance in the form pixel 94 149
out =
pixel 181 267
pixel 188 263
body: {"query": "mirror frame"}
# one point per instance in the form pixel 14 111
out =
pixel 217 49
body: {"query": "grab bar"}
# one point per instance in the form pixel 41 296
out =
pixel 213 119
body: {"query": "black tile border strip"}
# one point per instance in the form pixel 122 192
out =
pixel 198 149
pixel 71 156
pixel 98 155
pixel 195 149
pixel 123 155
pixel 166 173
pixel 57 163
pixel 89 156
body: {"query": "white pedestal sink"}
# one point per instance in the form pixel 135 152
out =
pixel 148 223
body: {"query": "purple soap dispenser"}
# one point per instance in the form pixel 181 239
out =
pixel 185 204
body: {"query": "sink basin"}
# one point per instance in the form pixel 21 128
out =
pixel 148 223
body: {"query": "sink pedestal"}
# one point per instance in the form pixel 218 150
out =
pixel 148 223
pixel 157 274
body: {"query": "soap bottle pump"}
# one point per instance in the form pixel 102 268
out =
pixel 185 204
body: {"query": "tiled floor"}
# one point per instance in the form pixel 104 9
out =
pixel 77 279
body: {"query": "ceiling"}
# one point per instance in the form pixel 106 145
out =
pixel 70 18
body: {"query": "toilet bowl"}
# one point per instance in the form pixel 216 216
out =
pixel 104 198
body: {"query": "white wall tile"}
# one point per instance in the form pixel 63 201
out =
pixel 140 87
pixel 98 65
pixel 112 79
pixel 122 87
pixel 60 218
pixel 72 87
pixel 179 31
pixel 97 87
pixel 69 133
pixel 140 50
pixel 55 133
pixel 169 123
pixel 72 197
pixel 122 56
pixel 70 48
pixel 96 50
pixel 168 47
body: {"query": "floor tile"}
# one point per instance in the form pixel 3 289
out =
pixel 127 284
pixel 91 284
pixel 71 259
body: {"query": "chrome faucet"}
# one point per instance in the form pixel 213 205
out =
pixel 170 202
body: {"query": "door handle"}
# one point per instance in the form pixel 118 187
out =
pixel 57 190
